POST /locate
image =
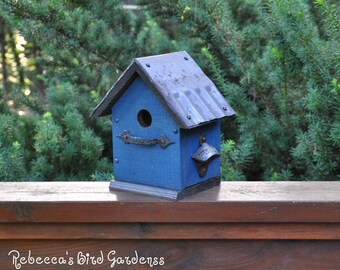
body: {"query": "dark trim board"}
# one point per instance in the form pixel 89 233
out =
pixel 168 194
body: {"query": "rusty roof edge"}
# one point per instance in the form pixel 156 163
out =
pixel 231 111
pixel 142 71
pixel 224 98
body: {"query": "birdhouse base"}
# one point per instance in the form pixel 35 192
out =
pixel 163 193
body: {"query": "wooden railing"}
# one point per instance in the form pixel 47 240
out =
pixel 239 225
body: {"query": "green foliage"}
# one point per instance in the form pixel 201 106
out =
pixel 277 63
pixel 75 51
pixel 65 148
pixel 234 158
pixel 12 153
pixel 331 18
pixel 12 165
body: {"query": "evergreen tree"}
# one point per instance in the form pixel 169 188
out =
pixel 79 48
pixel 277 62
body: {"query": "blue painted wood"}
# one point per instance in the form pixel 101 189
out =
pixel 148 165
pixel 189 145
pixel 171 168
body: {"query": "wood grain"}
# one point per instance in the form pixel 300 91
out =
pixel 327 192
pixel 185 254
pixel 231 202
pixel 282 225
pixel 282 231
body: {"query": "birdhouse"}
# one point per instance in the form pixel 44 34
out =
pixel 165 127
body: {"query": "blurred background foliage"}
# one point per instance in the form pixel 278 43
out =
pixel 277 63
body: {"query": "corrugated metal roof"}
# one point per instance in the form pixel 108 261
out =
pixel 188 94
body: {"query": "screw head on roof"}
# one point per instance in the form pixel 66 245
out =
pixel 189 117
pixel 186 58
pixel 225 108
pixel 147 64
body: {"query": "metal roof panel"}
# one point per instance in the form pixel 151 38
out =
pixel 188 94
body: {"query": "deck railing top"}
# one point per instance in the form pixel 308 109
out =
pixel 230 202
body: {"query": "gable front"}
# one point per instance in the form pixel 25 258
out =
pixel 136 102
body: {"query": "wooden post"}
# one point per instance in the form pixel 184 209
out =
pixel 239 225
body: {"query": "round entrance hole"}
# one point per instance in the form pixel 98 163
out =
pixel 144 118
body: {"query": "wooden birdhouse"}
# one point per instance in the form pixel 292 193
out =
pixel 165 127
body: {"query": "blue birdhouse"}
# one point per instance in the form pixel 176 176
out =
pixel 165 127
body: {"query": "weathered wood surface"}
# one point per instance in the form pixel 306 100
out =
pixel 239 225
pixel 268 231
pixel 314 192
pixel 230 202
pixel 186 254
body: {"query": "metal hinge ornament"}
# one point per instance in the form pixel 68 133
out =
pixel 127 138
